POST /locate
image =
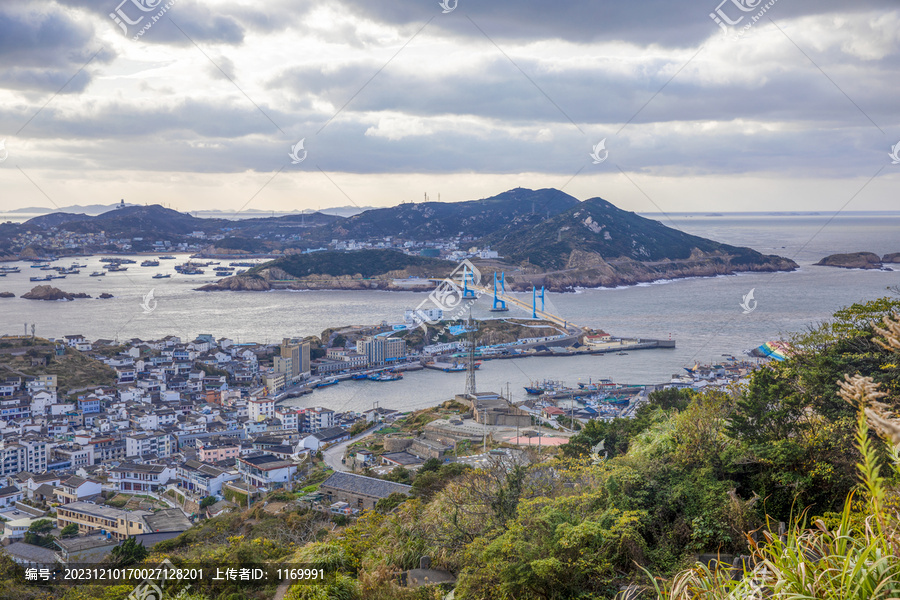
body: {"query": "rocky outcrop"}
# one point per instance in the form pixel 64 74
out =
pixel 48 292
pixel 7 295
pixel 105 296
pixel 589 270
pixel 238 283
pixel 891 258
pixel 854 260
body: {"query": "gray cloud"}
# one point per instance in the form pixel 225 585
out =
pixel 42 49
pixel 665 22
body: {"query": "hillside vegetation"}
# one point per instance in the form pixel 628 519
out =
pixel 693 473
pixel 365 263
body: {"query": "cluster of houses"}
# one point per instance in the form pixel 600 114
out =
pixel 167 433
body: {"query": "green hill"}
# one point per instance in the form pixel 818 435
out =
pixel 367 263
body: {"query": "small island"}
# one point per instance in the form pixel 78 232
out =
pixel 7 295
pixel 48 292
pixel 858 260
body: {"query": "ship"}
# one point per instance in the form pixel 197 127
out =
pixel 359 376
pixel 167 257
pixel 455 367
pixel 47 278
pixel 116 267
pixel 162 276
pixel 98 273
pixel 9 269
pixel 326 383
pixel 536 388
pixel 150 263
pixel 385 376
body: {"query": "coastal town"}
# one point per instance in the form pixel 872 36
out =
pixel 113 440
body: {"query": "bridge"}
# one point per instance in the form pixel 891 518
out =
pixel 464 280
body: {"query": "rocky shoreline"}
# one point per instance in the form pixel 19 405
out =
pixel 585 270
pixel 859 260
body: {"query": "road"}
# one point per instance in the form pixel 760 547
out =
pixel 333 454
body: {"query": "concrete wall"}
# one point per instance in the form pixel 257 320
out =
pixel 397 444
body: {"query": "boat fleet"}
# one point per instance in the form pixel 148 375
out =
pixel 390 375
pixel 120 264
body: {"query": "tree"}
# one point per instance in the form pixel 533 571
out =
pixel 671 398
pixel 386 505
pixel 41 527
pixel 70 530
pixel 432 464
pixel 398 475
pixel 208 501
pixel 38 533
pixel 128 553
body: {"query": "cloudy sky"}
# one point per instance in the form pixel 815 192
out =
pixel 782 105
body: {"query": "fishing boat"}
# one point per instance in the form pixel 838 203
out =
pixel 622 353
pixel 39 265
pixel 116 268
pixel 385 376
pixel 326 383
pixel 56 276
pixel 454 367
pixel 9 269
pixel 544 387
pixel 47 278
pixel 162 276
pixel 98 273
pixel 167 257
pixel 359 376
pixel 150 263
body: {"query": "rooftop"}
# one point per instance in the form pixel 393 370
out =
pixel 362 485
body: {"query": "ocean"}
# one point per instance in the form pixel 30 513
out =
pixel 703 315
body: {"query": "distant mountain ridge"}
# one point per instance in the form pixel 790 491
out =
pixel 545 237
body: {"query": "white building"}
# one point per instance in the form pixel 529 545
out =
pixel 260 409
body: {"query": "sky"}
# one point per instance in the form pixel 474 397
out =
pixel 657 106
